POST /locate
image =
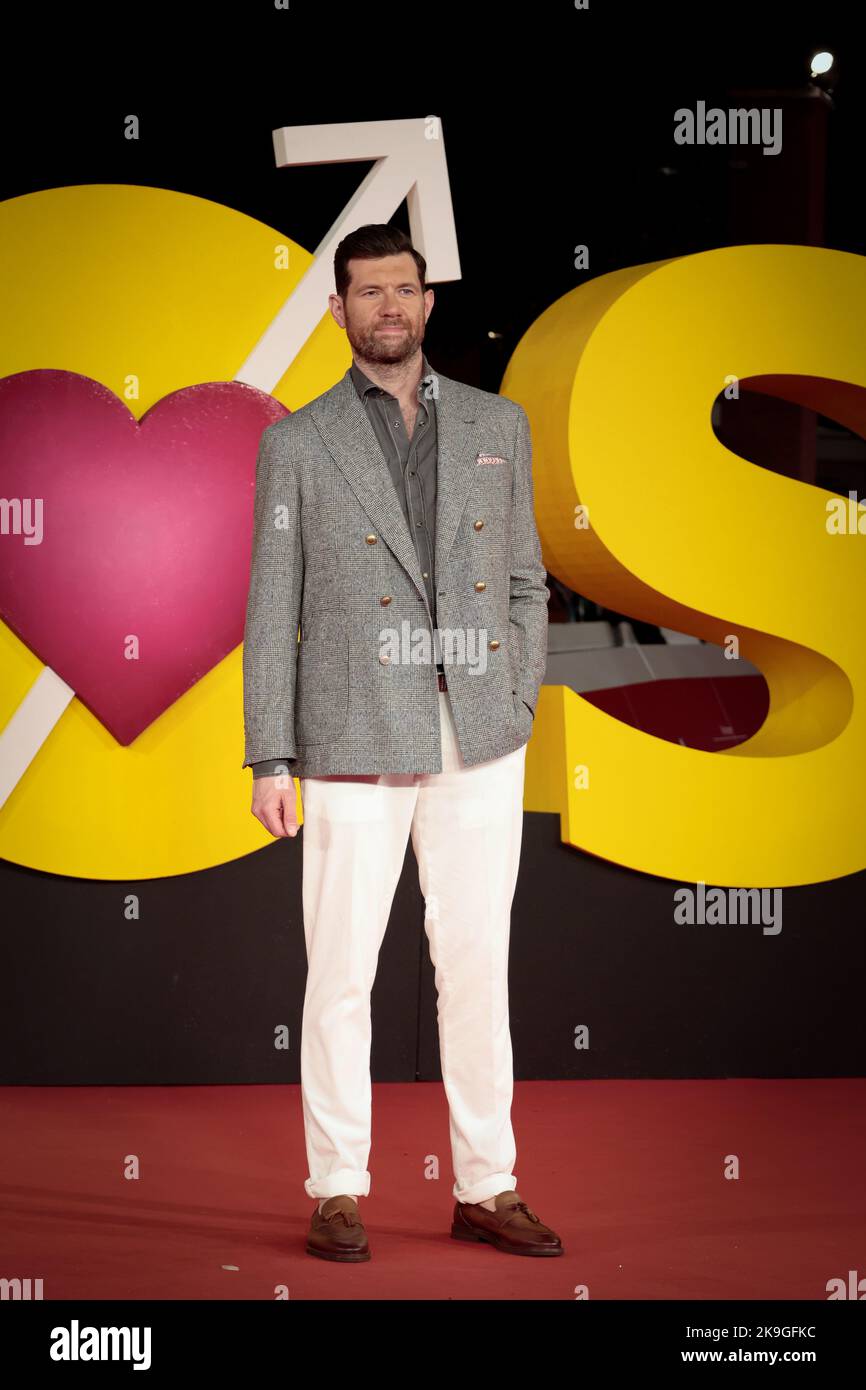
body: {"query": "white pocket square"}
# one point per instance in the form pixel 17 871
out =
pixel 490 458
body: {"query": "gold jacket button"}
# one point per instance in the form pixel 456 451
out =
pixel 480 585
pixel 478 525
pixel 385 600
pixel 384 658
pixel 371 539
pixel 494 644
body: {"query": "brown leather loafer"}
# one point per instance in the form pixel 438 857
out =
pixel 512 1227
pixel 337 1232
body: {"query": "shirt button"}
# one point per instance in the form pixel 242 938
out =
pixel 478 525
pixel 371 539
pixel 385 600
pixel 480 585
pixel 384 658
pixel 494 644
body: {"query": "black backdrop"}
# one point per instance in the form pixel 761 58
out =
pixel 193 992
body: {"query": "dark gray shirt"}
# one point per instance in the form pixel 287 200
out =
pixel 412 464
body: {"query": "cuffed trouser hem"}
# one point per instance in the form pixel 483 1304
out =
pixel 486 1188
pixel 345 1180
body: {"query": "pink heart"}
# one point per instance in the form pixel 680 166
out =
pixel 146 531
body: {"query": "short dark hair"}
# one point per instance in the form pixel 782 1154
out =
pixel 370 243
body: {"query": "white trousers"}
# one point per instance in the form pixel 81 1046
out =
pixel 466 825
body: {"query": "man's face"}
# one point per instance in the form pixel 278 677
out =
pixel 384 312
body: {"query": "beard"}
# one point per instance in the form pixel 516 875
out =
pixel 374 346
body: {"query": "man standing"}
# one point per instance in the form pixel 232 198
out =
pixel 394 524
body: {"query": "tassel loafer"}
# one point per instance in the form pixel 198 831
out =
pixel 337 1232
pixel 513 1227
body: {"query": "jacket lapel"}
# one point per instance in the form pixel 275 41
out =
pixel 341 420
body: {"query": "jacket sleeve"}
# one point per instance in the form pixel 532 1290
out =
pixel 270 652
pixel 529 594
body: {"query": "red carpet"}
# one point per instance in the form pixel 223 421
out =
pixel 630 1173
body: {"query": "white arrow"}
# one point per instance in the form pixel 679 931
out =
pixel 410 163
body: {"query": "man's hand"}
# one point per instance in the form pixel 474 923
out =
pixel 275 804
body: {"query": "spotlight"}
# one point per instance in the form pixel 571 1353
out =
pixel 820 64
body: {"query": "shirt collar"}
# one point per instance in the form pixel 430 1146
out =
pixel 364 386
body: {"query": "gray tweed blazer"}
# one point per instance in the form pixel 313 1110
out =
pixel 332 556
